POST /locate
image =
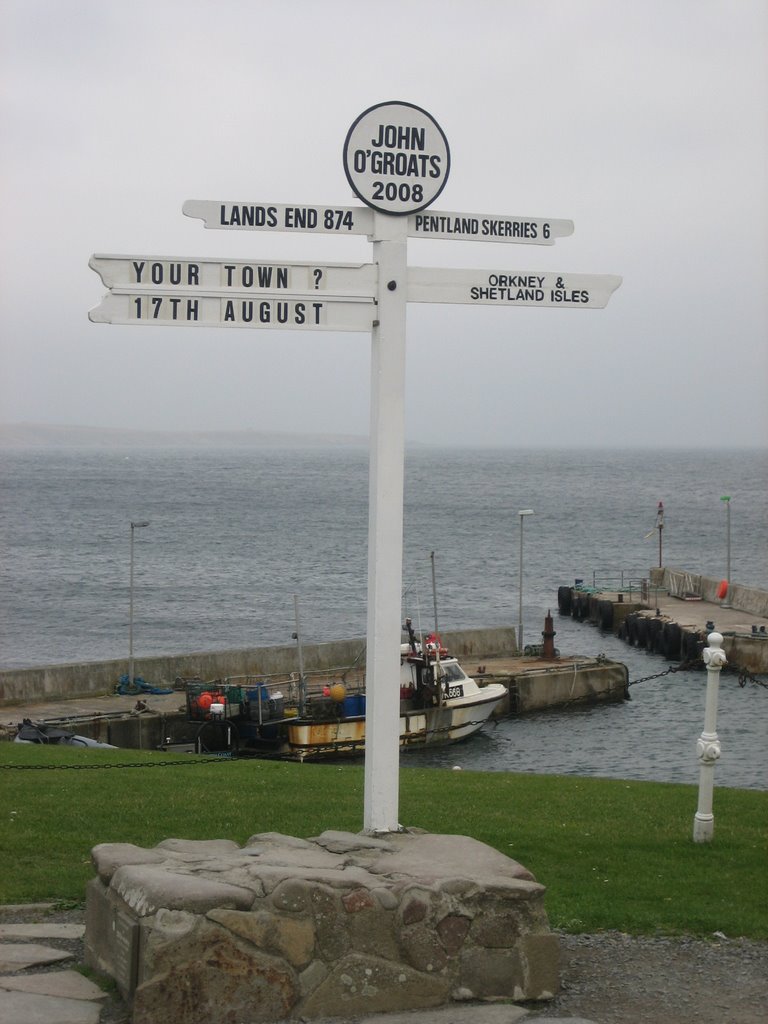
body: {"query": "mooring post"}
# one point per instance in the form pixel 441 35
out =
pixel 708 745
pixel 548 634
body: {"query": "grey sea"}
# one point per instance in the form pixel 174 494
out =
pixel 235 532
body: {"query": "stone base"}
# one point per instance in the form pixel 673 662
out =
pixel 336 926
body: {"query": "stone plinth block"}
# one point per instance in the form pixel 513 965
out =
pixel 336 926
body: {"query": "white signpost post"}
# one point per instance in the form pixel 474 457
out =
pixel 397 160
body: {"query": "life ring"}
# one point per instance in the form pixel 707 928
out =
pixel 722 589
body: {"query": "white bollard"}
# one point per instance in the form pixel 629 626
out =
pixel 708 745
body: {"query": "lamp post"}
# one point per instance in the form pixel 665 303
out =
pixel 522 513
pixel 727 499
pixel 134 526
pixel 708 744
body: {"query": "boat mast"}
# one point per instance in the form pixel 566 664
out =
pixel 411 635
pixel 297 638
pixel 437 670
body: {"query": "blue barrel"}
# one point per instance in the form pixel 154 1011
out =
pixel 354 705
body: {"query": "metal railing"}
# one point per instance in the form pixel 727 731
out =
pixel 624 582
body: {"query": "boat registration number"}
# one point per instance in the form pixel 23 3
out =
pixel 455 691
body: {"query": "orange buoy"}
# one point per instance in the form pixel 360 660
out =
pixel 205 700
pixel 338 692
pixel 722 589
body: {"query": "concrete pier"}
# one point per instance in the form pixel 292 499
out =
pixel 536 683
pixel 673 614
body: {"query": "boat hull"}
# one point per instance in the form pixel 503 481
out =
pixel 448 723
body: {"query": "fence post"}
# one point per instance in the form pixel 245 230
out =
pixel 708 745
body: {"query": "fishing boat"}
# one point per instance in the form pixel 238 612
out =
pixel 439 704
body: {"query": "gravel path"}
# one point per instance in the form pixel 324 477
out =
pixel 612 978
pixel 608 978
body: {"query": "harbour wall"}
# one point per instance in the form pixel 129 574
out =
pixel 744 599
pixel 91 679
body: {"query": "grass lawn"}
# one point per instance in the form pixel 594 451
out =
pixel 612 854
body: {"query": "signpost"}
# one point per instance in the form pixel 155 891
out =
pixel 350 220
pixel 397 161
pixel 184 307
pixel 488 227
pixel 323 220
pixel 235 293
pixel 510 288
pixel 170 272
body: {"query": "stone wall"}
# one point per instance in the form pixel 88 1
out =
pixel 340 925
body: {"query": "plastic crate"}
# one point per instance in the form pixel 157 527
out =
pixel 264 706
pixel 201 696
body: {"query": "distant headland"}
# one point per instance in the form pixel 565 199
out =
pixel 45 435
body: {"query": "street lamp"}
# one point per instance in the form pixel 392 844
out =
pixel 660 528
pixel 522 513
pixel 727 499
pixel 134 526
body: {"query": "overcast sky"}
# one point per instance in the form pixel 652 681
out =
pixel 643 122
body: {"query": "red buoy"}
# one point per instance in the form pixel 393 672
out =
pixel 722 589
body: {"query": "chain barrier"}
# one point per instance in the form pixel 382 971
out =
pixel 684 666
pixel 105 767
pixel 744 674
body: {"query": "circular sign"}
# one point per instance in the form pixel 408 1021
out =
pixel 396 158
